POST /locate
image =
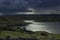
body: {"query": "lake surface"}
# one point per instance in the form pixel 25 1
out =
pixel 51 27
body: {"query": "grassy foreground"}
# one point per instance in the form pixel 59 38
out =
pixel 38 35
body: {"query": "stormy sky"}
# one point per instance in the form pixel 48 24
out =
pixel 39 6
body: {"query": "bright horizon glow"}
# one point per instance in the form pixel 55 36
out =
pixel 33 12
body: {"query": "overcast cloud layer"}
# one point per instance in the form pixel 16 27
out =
pixel 40 6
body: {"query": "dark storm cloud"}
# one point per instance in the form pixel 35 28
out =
pixel 7 6
pixel 13 5
pixel 21 5
pixel 45 6
pixel 43 3
pixel 10 6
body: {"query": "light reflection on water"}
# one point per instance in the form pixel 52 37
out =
pixel 51 27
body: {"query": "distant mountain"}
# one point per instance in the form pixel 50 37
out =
pixel 32 15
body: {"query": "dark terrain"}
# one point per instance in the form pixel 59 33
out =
pixel 9 27
pixel 36 17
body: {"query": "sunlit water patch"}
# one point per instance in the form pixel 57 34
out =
pixel 51 27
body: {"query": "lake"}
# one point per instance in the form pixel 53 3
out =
pixel 51 27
